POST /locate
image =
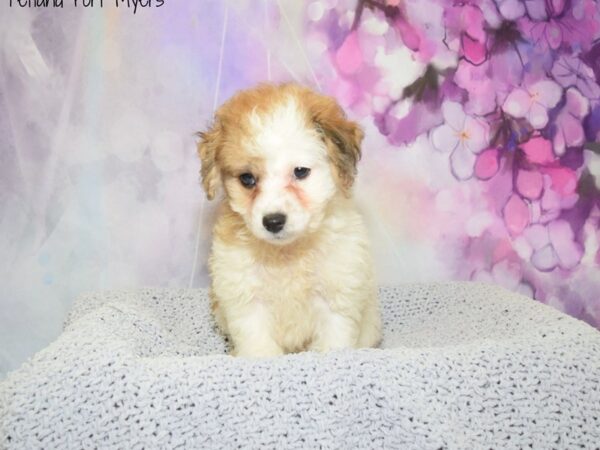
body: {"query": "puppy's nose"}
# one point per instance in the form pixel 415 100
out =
pixel 274 222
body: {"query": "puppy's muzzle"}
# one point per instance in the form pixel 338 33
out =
pixel 274 222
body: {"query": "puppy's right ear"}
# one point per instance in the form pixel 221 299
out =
pixel 209 145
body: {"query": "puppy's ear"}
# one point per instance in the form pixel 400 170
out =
pixel 342 136
pixel 208 147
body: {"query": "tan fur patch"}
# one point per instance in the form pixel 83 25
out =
pixel 222 151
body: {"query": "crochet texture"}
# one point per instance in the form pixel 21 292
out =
pixel 462 365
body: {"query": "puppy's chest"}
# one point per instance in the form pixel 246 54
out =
pixel 294 282
pixel 293 297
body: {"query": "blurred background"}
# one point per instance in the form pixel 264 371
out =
pixel 481 158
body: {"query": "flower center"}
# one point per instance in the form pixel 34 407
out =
pixel 535 96
pixel 463 135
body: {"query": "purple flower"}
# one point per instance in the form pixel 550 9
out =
pixel 553 245
pixel 570 71
pixel 489 83
pixel 468 23
pixel 511 9
pixel 569 131
pixel 592 59
pixel 403 121
pixel 462 135
pixel 479 85
pixel 540 10
pixel 533 102
pixel 552 23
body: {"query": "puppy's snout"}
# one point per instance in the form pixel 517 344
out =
pixel 274 222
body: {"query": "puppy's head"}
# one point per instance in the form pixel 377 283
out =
pixel 281 154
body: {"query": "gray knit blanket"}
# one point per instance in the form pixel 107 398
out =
pixel 461 366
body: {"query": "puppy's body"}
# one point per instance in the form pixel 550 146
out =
pixel 316 293
pixel 306 283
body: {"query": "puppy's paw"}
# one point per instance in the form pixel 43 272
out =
pixel 265 351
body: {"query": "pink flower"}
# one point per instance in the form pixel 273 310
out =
pixel 466 18
pixel 569 132
pixel 473 50
pixel 487 164
pixel 558 194
pixel 538 150
pixel 533 102
pixel 516 215
pixel 348 57
pixel 408 33
pixel 530 184
pixel 564 180
pixel 467 21
pixel 462 135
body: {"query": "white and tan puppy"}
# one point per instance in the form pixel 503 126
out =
pixel 290 263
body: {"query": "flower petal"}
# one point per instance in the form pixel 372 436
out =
pixel 558 7
pixel 349 56
pixel 516 215
pixel 477 134
pixel 538 150
pixel 537 236
pixel 587 84
pixel 547 92
pixel 553 35
pixel 535 208
pixel 530 184
pixel 572 131
pixel 537 116
pixel 569 251
pixel 473 50
pixel 559 142
pixel 454 115
pixel 517 103
pixel 444 138
pixel 462 162
pixel 408 33
pixel 544 259
pixel 536 9
pixel 487 165
pixel 512 9
pixel 550 201
pixel 564 180
pixel 507 273
pixel 577 104
pixel 565 70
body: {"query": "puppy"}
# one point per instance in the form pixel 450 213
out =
pixel 290 263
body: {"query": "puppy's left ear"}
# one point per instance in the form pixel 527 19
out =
pixel 208 147
pixel 342 137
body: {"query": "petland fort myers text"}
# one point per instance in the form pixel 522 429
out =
pixel 126 4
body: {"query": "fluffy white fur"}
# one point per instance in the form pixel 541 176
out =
pixel 311 285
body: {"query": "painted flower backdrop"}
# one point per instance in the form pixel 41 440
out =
pixel 508 92
pixel 481 161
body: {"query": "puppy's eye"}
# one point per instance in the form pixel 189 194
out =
pixel 247 180
pixel 301 172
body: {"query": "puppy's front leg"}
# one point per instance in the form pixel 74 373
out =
pixel 251 332
pixel 333 330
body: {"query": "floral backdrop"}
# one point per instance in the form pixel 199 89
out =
pixel 481 161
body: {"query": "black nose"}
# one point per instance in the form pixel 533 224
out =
pixel 274 222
